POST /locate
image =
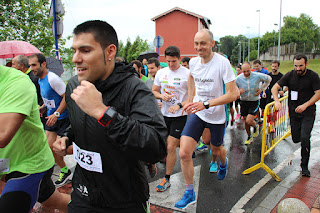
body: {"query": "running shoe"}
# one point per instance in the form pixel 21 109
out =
pixel 305 172
pixel 213 167
pixel 186 200
pixel 164 185
pixel 256 131
pixel 63 178
pixel 202 147
pixel 223 171
pixel 152 168
pixel 249 140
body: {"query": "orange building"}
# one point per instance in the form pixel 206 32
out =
pixel 177 27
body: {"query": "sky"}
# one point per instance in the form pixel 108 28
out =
pixel 132 18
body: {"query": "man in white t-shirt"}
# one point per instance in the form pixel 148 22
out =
pixel 171 86
pixel 211 86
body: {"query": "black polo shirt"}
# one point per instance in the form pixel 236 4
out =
pixel 305 86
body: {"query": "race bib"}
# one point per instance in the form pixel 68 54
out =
pixel 4 164
pixel 294 95
pixel 49 103
pixel 88 160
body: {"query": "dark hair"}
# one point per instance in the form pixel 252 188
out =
pixel 136 62
pixel 102 32
pixel 276 62
pixel 154 61
pixel 22 59
pixel 172 51
pixel 185 59
pixel 257 61
pixel 300 56
pixel 41 58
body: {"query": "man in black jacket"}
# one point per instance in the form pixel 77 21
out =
pixel 115 125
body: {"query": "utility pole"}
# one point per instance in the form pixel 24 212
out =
pixel 259 37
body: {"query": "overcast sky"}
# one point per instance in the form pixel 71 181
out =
pixel 131 18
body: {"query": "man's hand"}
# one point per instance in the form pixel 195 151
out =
pixel 301 108
pixel 277 105
pixel 42 110
pixel 89 99
pixel 59 146
pixel 173 109
pixel 241 91
pixel 192 108
pixel 281 93
pixel 258 91
pixel 51 120
pixel 160 104
pixel 166 97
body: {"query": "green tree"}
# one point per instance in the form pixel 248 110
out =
pixel 131 51
pixel 227 44
pixel 27 20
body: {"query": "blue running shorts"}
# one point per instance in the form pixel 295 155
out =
pixel 195 126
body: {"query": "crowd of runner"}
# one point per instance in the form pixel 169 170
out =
pixel 118 118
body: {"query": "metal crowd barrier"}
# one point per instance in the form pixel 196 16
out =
pixel 276 127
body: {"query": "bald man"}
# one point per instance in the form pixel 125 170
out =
pixel 21 62
pixel 209 74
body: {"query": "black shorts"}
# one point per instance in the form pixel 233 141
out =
pixel 237 102
pixel 175 125
pixel 263 103
pixel 249 107
pixel 59 127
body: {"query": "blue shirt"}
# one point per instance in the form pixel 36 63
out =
pixel 51 88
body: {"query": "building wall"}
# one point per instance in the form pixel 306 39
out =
pixel 177 28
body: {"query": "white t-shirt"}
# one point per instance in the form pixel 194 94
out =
pixel 173 83
pixel 210 80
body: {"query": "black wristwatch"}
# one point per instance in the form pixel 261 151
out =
pixel 180 105
pixel 206 104
pixel 107 116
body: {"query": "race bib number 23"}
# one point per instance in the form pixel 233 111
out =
pixel 88 160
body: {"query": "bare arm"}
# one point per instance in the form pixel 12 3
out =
pixel 13 122
pixel 191 88
pixel 275 91
pixel 158 95
pixel 312 101
pixel 52 119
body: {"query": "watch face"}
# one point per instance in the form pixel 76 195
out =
pixel 206 104
pixel 57 114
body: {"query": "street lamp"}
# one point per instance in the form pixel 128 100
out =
pixel 248 44
pixel 239 58
pixel 274 37
pixel 279 31
pixel 259 37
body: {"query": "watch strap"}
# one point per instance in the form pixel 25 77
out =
pixel 103 120
pixel 180 105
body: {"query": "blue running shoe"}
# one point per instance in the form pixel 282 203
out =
pixel 186 200
pixel 223 171
pixel 202 147
pixel 213 167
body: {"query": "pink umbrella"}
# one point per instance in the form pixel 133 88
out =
pixel 10 49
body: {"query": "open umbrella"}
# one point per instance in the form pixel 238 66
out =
pixel 147 55
pixel 10 49
pixel 55 65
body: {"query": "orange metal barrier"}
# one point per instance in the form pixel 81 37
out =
pixel 276 127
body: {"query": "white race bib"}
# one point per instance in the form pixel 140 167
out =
pixel 88 160
pixel 49 103
pixel 4 164
pixel 294 95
